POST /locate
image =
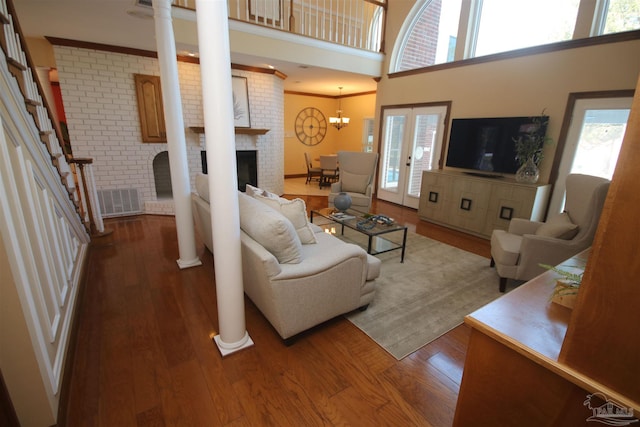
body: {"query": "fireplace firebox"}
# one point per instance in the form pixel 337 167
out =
pixel 247 164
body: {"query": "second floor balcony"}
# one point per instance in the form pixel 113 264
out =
pixel 355 23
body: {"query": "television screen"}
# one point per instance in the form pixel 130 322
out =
pixel 487 145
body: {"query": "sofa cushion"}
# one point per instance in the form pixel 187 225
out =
pixel 252 191
pixel 295 211
pixel 558 227
pixel 202 186
pixel 352 182
pixel 270 228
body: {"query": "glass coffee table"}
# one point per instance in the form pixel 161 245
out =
pixel 371 225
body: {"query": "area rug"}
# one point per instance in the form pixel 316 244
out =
pixel 426 296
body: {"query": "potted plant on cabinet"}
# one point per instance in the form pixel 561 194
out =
pixel 529 149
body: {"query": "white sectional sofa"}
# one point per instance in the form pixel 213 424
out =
pixel 297 275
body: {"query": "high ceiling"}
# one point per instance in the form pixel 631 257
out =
pixel 122 23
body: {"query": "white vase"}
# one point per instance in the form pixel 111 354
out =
pixel 528 172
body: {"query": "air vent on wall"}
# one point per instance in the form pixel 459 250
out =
pixel 146 3
pixel 116 202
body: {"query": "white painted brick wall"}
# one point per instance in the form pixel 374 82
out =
pixel 98 92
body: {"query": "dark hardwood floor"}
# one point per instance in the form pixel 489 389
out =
pixel 144 354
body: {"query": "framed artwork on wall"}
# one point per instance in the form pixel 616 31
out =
pixel 240 89
pixel 266 11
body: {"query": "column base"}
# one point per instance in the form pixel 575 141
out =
pixel 227 349
pixel 186 264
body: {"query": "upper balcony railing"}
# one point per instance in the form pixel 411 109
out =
pixel 355 23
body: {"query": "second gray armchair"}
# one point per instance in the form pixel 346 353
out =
pixel 357 174
pixel 518 252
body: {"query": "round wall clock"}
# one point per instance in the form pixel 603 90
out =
pixel 311 126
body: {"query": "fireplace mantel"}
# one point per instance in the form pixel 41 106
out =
pixel 239 131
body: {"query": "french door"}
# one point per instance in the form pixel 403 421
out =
pixel 411 143
pixel 593 142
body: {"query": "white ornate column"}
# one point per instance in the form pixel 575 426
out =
pixel 215 68
pixel 176 143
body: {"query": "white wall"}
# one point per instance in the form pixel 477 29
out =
pixel 98 92
pixel 513 86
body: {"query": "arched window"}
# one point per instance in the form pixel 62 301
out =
pixel 429 38
pixel 430 34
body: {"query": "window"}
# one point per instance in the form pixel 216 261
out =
pixel 367 135
pixel 432 36
pixel 622 15
pixel 593 141
pixel 507 25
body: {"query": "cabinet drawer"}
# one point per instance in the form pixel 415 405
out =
pixel 434 194
pixel 469 202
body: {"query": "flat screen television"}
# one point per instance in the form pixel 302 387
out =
pixel 486 146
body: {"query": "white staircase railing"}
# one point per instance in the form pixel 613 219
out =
pixel 355 23
pixel 43 236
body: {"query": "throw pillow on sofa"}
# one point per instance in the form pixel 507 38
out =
pixel 255 191
pixel 295 211
pixel 269 228
pixel 202 186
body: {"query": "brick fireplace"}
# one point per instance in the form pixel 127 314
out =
pixel 246 163
pixel 109 131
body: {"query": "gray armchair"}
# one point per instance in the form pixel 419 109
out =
pixel 357 171
pixel 518 252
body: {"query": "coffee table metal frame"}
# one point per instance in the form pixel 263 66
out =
pixel 375 232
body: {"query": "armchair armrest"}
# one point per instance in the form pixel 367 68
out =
pixel 336 187
pixel 522 226
pixel 547 250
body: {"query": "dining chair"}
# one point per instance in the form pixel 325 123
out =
pixel 313 174
pixel 329 168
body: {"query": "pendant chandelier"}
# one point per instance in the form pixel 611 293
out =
pixel 340 121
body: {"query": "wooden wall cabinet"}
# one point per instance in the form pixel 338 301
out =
pixel 150 109
pixel 479 205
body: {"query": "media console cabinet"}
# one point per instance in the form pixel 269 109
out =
pixel 478 205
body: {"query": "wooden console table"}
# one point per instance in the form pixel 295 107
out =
pixel 513 372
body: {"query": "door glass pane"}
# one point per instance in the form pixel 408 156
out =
pixel 392 151
pixel 424 144
pixel 599 143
